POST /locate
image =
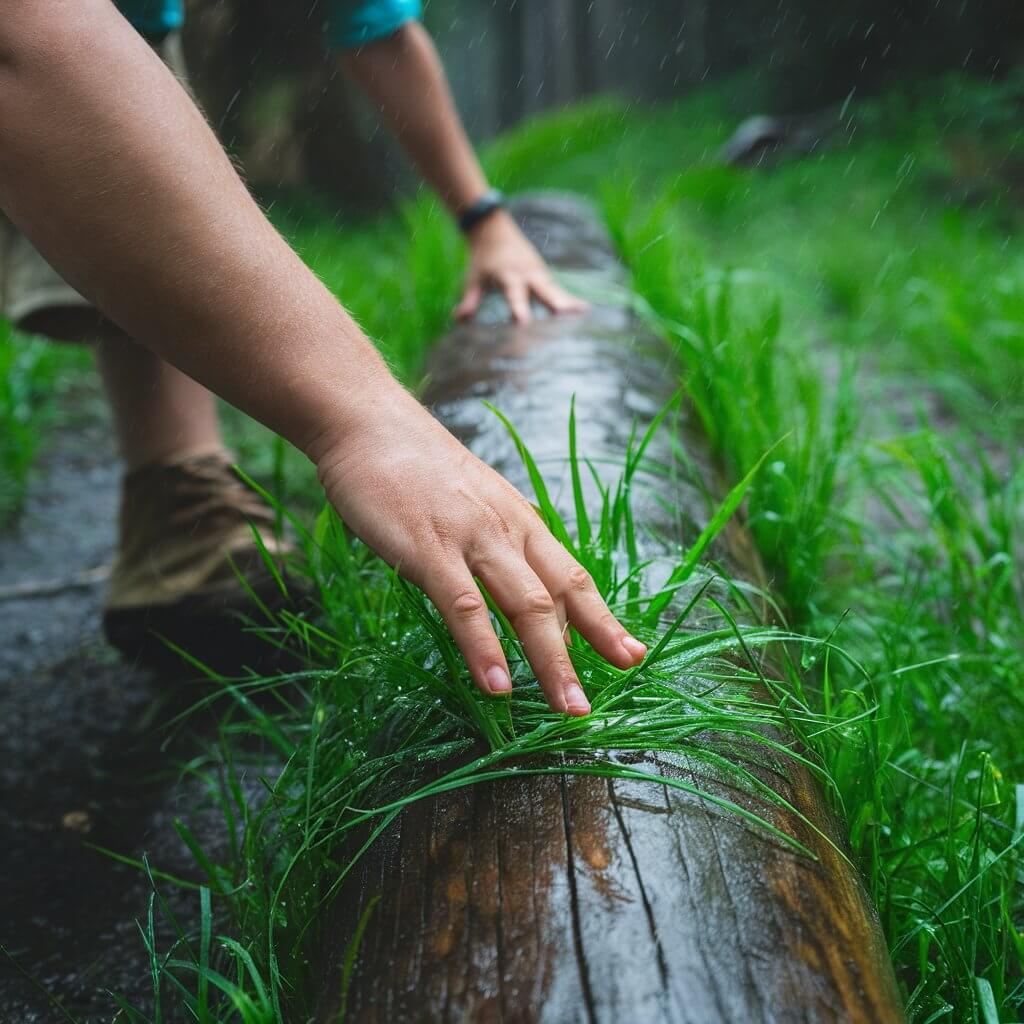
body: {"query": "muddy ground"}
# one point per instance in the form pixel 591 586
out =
pixel 81 762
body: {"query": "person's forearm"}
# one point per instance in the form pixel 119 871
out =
pixel 106 164
pixel 403 75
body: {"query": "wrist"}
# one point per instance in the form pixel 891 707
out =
pixel 392 430
pixel 339 412
pixel 483 209
pixel 497 226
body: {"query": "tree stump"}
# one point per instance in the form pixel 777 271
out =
pixel 571 898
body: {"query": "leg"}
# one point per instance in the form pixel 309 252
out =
pixel 186 520
pixel 159 413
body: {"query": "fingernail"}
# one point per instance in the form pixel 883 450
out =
pixel 576 702
pixel 634 648
pixel 498 680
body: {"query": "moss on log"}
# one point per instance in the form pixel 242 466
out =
pixel 584 899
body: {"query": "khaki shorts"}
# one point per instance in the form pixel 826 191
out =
pixel 28 284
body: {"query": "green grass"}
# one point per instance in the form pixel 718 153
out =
pixel 32 377
pixel 907 547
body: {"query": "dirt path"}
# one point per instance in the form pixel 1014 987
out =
pixel 80 758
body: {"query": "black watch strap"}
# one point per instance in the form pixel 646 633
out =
pixel 490 201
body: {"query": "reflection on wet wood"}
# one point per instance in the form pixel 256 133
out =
pixel 575 898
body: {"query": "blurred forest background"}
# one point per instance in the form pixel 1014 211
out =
pixel 284 108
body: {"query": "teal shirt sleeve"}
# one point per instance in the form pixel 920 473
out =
pixel 153 17
pixel 351 23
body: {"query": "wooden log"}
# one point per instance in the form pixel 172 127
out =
pixel 576 898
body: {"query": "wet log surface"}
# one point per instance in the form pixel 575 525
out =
pixel 576 898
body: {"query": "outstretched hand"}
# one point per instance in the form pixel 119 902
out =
pixel 501 257
pixel 428 506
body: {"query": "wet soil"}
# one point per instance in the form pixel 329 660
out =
pixel 85 757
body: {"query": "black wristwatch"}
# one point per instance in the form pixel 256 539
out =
pixel 490 201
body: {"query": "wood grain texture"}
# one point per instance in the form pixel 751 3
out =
pixel 579 899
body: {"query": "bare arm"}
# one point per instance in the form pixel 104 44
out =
pixel 109 168
pixel 403 74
